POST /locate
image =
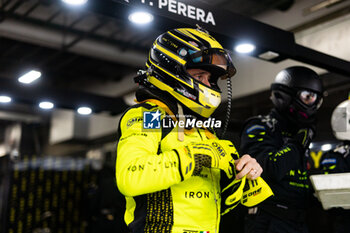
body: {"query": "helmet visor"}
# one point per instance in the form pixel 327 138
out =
pixel 217 61
pixel 308 97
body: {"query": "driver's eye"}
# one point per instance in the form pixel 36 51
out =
pixel 198 76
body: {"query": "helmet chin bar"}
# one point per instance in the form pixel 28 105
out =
pixel 302 117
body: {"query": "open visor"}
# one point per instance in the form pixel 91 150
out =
pixel 216 61
pixel 309 98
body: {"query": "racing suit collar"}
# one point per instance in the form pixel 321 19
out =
pixel 144 93
pixel 285 123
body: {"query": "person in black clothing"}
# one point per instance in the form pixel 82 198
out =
pixel 338 161
pixel 279 141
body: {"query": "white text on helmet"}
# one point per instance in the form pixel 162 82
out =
pixel 187 11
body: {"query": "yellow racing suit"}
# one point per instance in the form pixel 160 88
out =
pixel 158 198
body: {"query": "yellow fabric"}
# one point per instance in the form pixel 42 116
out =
pixel 143 145
pixel 218 150
pixel 236 195
pixel 187 164
pixel 247 192
pixel 256 192
pixel 209 135
pixel 232 200
pixel 147 163
pixel 140 170
pixel 161 105
pixel 130 206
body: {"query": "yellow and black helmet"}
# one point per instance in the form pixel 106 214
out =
pixel 176 51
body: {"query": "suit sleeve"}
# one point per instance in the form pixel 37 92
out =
pixel 140 168
pixel 276 158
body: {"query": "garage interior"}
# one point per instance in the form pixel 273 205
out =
pixel 89 55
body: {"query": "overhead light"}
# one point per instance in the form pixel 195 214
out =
pixel 5 99
pixel 29 77
pixel 320 6
pixel 75 2
pixel 46 105
pixel 245 48
pixel 269 55
pixel 326 147
pixel 84 111
pixel 141 17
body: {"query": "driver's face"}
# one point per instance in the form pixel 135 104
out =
pixel 201 75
